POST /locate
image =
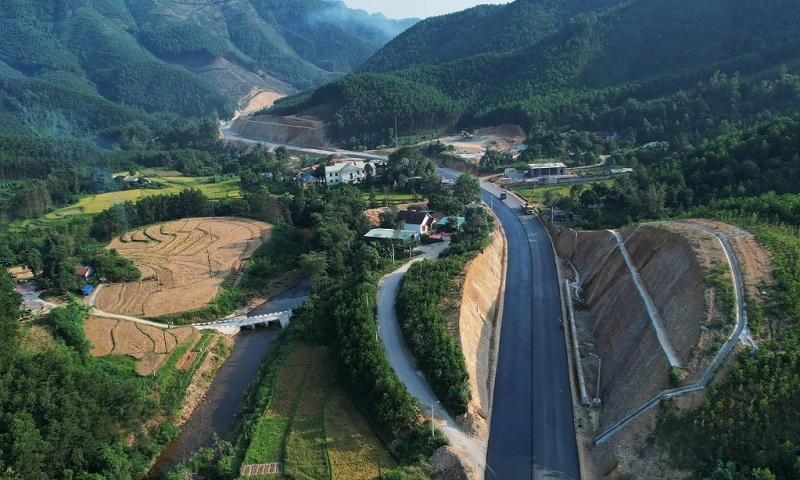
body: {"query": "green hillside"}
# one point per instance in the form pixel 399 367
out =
pixel 588 66
pixel 66 67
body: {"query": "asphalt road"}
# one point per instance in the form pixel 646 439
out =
pixel 532 433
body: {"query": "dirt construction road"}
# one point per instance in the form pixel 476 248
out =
pixel 402 362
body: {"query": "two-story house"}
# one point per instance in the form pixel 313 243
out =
pixel 350 171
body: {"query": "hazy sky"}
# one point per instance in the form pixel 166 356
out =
pixel 416 8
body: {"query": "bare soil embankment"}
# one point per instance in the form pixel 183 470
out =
pixel 298 130
pixel 685 272
pixel 475 322
pixel 673 261
pixel 479 326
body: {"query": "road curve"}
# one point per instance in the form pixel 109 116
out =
pixel 402 362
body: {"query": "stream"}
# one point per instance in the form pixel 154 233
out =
pixel 217 410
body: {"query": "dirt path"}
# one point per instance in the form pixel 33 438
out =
pixel 401 360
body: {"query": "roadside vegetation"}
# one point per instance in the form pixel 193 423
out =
pixel 423 287
pixel 437 351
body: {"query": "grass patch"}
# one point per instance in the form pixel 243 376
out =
pixel 539 192
pixel 267 443
pixel 306 454
pixel 393 198
pixel 562 190
pixel 205 340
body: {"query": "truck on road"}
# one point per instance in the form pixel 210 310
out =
pixel 527 209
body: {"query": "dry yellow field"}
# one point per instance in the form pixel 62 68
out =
pixel 150 346
pixel 183 264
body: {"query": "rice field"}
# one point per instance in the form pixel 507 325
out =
pixel 183 264
pixel 97 203
pixel 313 428
pixel 150 346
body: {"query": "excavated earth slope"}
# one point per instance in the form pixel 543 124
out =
pixel 684 271
pixel 478 329
pixel 672 261
pixel 298 130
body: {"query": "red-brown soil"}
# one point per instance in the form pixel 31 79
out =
pixel 674 260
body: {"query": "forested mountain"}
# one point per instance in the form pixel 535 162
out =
pixel 658 67
pixel 66 66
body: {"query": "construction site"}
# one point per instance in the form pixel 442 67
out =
pixel 653 318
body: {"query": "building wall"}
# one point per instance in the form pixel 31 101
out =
pixel 347 176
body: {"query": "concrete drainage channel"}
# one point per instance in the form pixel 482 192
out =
pixel 741 322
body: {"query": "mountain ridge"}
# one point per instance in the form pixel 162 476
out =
pixel 580 65
pixel 189 59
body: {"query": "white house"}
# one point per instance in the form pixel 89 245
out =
pixel 417 222
pixel 350 171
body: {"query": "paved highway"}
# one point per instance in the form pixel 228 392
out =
pixel 532 433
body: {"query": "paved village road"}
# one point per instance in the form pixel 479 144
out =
pixel 402 361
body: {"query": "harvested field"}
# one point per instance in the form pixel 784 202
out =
pixel 129 340
pixel 98 331
pixel 355 452
pixel 183 264
pixel 149 345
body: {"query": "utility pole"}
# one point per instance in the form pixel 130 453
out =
pixel 432 432
pixel 210 275
pixel 395 131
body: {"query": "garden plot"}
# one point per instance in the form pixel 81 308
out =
pixel 183 264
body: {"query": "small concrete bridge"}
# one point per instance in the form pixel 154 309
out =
pixel 239 322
